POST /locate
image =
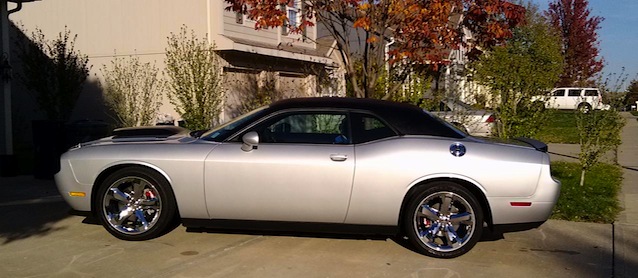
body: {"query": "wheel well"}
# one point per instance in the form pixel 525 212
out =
pixel 467 185
pixel 105 174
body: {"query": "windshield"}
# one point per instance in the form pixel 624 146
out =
pixel 221 132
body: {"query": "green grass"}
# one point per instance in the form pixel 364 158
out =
pixel 596 201
pixel 635 113
pixel 559 128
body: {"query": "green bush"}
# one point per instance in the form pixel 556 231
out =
pixel 597 202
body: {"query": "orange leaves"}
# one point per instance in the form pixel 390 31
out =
pixel 422 31
pixel 362 22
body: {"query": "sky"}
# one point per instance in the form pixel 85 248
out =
pixel 618 36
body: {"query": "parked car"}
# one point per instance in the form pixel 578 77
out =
pixel 584 99
pixel 319 164
pixel 476 122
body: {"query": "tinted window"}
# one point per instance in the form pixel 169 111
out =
pixel 574 93
pixel 591 93
pixel 559 93
pixel 368 128
pixel 305 127
pixel 221 132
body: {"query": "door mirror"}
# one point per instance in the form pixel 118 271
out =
pixel 251 140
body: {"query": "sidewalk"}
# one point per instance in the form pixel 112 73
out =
pixel 626 226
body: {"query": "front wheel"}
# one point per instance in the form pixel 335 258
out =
pixel 136 203
pixel 444 220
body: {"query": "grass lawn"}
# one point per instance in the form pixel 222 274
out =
pixel 596 201
pixel 560 128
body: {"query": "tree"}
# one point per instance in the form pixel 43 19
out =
pixel 527 65
pixel 194 79
pixel 406 35
pixel 599 132
pixel 579 38
pixel 54 71
pixel 632 93
pixel 132 91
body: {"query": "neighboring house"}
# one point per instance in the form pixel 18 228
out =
pixel 296 65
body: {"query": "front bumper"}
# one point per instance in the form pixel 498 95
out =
pixel 76 194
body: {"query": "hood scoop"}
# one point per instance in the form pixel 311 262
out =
pixel 148 132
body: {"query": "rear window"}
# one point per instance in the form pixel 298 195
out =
pixel 574 93
pixel 591 93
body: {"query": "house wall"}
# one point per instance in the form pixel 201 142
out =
pixel 114 28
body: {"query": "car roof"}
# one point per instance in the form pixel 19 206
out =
pixel 407 119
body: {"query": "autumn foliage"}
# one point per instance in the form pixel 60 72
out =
pixel 421 32
pixel 578 30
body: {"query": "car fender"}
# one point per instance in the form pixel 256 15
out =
pixel 437 176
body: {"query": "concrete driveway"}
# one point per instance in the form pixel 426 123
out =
pixel 38 238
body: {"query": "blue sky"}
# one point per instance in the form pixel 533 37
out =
pixel 618 35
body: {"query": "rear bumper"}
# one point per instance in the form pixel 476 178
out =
pixel 535 208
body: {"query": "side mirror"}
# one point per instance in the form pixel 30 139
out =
pixel 251 140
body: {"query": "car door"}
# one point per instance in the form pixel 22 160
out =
pixel 557 99
pixel 301 170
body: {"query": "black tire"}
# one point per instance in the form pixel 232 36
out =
pixel 584 108
pixel 441 233
pixel 143 197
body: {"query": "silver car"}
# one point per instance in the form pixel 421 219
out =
pixel 476 122
pixel 318 164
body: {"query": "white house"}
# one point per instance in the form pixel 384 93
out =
pixel 118 28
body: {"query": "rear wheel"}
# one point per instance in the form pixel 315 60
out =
pixel 444 220
pixel 136 203
pixel 584 107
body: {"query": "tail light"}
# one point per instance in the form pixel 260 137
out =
pixel 490 119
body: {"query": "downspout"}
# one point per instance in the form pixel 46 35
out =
pixel 387 64
pixel 17 8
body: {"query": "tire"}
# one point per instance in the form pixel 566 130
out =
pixel 145 200
pixel 443 233
pixel 584 108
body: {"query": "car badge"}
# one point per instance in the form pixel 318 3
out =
pixel 457 149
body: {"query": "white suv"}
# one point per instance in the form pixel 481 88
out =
pixel 584 99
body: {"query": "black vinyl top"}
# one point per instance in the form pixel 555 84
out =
pixel 407 119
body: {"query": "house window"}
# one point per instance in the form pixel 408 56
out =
pixel 293 16
pixel 239 18
pixel 293 12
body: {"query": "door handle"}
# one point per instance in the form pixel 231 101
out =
pixel 338 157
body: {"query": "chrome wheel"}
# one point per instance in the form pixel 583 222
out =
pixel 132 205
pixel 444 221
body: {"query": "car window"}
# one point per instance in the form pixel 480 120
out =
pixel 559 93
pixel 591 93
pixel 306 127
pixel 574 93
pixel 368 128
pixel 221 132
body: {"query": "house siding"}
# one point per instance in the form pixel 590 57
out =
pixel 121 28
